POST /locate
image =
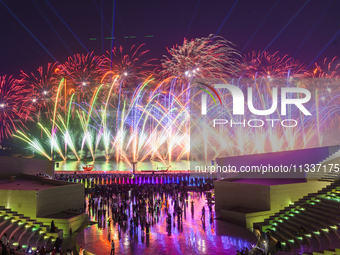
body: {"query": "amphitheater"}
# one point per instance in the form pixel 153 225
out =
pixel 280 207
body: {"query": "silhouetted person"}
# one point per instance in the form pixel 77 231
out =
pixel 278 246
pixel 302 230
pixel 203 213
pixel 112 248
pixel 52 226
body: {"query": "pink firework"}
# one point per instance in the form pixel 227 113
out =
pixel 43 87
pixel 132 68
pixel 265 64
pixel 15 106
pixel 82 73
pixel 207 57
pixel 324 80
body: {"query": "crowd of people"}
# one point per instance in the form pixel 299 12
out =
pixel 121 203
pixel 132 202
pixel 135 205
pixel 135 208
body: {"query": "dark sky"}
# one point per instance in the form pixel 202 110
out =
pixel 33 33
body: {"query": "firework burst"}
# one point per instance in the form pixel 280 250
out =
pixel 328 69
pixel 208 57
pixel 82 73
pixel 129 67
pixel 15 106
pixel 265 64
pixel 42 86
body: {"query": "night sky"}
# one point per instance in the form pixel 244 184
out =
pixel 33 33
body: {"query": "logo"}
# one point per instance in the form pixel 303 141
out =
pixel 239 99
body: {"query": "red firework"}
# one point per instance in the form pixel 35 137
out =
pixel 130 68
pixel 82 73
pixel 328 69
pixel 43 87
pixel 264 64
pixel 208 57
pixel 15 107
pixel 324 80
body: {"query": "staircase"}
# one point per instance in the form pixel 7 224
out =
pixel 26 231
pixel 325 172
pixel 318 213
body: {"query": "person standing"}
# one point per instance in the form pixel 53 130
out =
pixel 203 213
pixel 52 228
pixel 11 246
pixel 4 239
pixel 112 248
pixel 4 244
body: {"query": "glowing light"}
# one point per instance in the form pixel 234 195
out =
pixel 92 111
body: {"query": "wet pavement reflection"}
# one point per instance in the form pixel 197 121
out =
pixel 192 231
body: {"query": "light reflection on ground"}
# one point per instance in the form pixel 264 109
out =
pixel 193 236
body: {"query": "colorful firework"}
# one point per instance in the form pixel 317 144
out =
pixel 208 57
pixel 324 79
pixel 158 125
pixel 265 64
pixel 127 115
pixel 129 67
pixel 137 129
pixel 82 73
pixel 328 69
pixel 43 87
pixel 15 107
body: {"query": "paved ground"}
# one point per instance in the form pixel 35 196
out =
pixel 193 236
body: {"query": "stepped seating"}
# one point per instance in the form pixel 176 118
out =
pixel 325 173
pixel 318 213
pixel 26 231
